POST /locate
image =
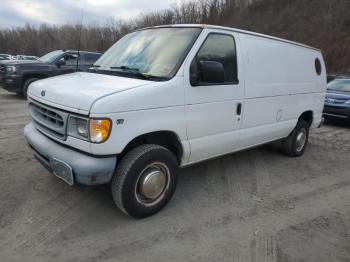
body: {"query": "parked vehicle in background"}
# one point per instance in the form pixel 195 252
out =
pixel 17 75
pixel 26 57
pixel 337 101
pixel 167 97
pixel 330 78
pixel 18 57
pixel 30 57
pixel 5 57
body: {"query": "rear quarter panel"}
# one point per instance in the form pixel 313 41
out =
pixel 280 84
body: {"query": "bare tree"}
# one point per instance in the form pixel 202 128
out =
pixel 324 24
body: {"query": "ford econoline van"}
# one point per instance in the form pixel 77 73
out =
pixel 165 97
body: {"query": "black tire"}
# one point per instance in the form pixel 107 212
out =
pixel 294 146
pixel 131 171
pixel 26 85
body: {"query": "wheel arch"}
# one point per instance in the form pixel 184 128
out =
pixel 165 138
pixel 30 76
pixel 307 116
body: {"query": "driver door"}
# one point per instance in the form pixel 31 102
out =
pixel 213 99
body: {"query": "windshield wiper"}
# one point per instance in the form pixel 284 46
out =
pixel 132 70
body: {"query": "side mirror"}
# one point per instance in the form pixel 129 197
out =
pixel 194 78
pixel 60 63
pixel 194 75
pixel 212 71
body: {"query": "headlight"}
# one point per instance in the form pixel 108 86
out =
pixel 10 69
pixel 78 127
pixel 347 102
pixel 93 130
pixel 99 130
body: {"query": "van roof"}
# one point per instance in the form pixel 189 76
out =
pixel 233 30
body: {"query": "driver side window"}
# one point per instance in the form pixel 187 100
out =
pixel 215 62
pixel 70 59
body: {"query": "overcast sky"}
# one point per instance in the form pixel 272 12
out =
pixel 17 12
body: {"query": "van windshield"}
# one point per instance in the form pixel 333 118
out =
pixel 151 53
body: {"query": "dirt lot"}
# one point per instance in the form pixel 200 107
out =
pixel 256 205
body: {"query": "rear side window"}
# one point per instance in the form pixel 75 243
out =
pixel 91 58
pixel 217 48
pixel 318 66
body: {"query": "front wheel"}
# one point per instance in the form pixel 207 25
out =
pixel 145 180
pixel 295 144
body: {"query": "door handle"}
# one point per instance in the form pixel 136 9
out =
pixel 239 109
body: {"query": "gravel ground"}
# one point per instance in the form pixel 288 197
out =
pixel 256 205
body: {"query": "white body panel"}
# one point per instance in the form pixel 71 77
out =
pixel 280 84
pixel 277 83
pixel 78 91
pixel 212 124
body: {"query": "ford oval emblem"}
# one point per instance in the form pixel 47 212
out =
pixel 43 93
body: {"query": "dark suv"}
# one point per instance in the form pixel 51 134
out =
pixel 337 102
pixel 17 75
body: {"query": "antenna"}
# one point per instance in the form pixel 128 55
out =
pixel 79 40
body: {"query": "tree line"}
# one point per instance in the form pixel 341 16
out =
pixel 324 24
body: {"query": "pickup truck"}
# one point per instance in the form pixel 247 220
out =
pixel 17 75
pixel 5 57
pixel 26 57
pixel 167 97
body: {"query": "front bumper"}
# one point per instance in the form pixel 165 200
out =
pixel 12 83
pixel 336 111
pixel 87 169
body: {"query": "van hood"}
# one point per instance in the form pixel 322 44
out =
pixel 77 92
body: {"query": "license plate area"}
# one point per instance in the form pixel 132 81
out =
pixel 62 170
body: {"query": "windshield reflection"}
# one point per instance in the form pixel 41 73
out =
pixel 155 52
pixel 342 85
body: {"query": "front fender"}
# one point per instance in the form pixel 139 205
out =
pixel 140 122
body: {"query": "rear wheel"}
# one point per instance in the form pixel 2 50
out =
pixel 295 144
pixel 26 85
pixel 145 180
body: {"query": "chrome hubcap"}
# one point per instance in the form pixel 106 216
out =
pixel 152 184
pixel 301 139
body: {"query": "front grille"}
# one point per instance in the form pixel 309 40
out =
pixel 49 120
pixel 48 115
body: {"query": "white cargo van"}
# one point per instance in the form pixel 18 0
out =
pixel 170 96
